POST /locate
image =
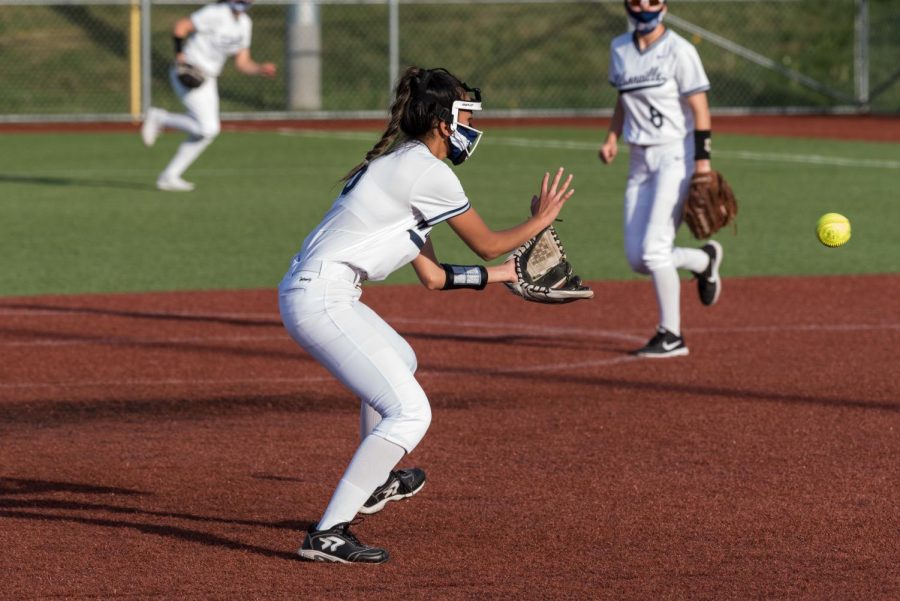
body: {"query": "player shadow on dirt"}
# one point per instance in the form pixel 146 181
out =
pixel 27 486
pixel 184 534
pixel 669 390
pixel 54 411
pixel 73 181
pixel 17 507
pixel 518 340
pixel 184 346
pixel 156 315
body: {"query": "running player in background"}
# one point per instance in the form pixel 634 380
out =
pixel 205 40
pixel 663 113
pixel 381 221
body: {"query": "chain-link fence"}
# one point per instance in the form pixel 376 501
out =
pixel 71 59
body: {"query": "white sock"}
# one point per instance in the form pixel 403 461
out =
pixel 692 259
pixel 187 153
pixel 368 419
pixel 668 297
pixel 369 468
pixel 185 123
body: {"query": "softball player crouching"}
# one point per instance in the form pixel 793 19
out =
pixel 205 40
pixel 381 221
pixel 663 113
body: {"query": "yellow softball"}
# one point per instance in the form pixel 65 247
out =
pixel 833 229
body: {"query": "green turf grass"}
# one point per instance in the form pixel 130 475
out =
pixel 80 213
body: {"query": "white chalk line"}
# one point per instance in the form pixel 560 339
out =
pixel 748 155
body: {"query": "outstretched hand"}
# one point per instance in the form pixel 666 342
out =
pixel 268 69
pixel 552 198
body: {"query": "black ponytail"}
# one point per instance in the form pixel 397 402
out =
pixel 422 98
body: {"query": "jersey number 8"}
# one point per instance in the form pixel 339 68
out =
pixel 656 118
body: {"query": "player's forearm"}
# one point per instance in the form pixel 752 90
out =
pixel 496 244
pixel 505 272
pixel 700 107
pixel 180 31
pixel 248 67
pixel 617 122
pixel 702 132
pixel 443 276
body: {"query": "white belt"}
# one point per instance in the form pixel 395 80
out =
pixel 329 270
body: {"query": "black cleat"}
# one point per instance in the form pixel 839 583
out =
pixel 663 344
pixel 400 484
pixel 339 545
pixel 708 283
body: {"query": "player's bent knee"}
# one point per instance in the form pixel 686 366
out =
pixel 209 131
pixel 637 264
pixel 657 260
pixel 418 425
pixel 408 426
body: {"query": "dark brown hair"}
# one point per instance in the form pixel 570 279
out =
pixel 423 97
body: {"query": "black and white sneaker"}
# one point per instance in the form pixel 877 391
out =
pixel 400 484
pixel 708 283
pixel 663 344
pixel 339 545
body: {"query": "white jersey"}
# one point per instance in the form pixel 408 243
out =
pixel 219 34
pixel 386 212
pixel 653 86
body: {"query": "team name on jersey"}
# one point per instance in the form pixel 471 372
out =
pixel 227 43
pixel 651 79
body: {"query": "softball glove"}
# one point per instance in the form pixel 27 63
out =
pixel 710 204
pixel 189 75
pixel 543 273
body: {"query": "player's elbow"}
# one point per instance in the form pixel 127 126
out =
pixel 488 252
pixel 183 28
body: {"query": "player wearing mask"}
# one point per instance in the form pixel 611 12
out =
pixel 663 114
pixel 381 221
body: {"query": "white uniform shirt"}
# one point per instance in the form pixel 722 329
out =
pixel 218 35
pixel 653 85
pixel 385 213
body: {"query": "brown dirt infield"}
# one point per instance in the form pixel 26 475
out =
pixel 838 127
pixel 175 445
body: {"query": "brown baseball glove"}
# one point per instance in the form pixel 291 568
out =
pixel 189 75
pixel 710 204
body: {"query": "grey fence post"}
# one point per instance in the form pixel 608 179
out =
pixel 146 75
pixel 861 34
pixel 393 44
pixel 304 56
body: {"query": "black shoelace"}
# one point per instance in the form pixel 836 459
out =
pixel 349 534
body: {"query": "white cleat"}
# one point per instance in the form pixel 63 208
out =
pixel 152 125
pixel 174 184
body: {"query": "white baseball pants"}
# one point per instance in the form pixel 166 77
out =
pixel 658 179
pixel 201 122
pixel 321 310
